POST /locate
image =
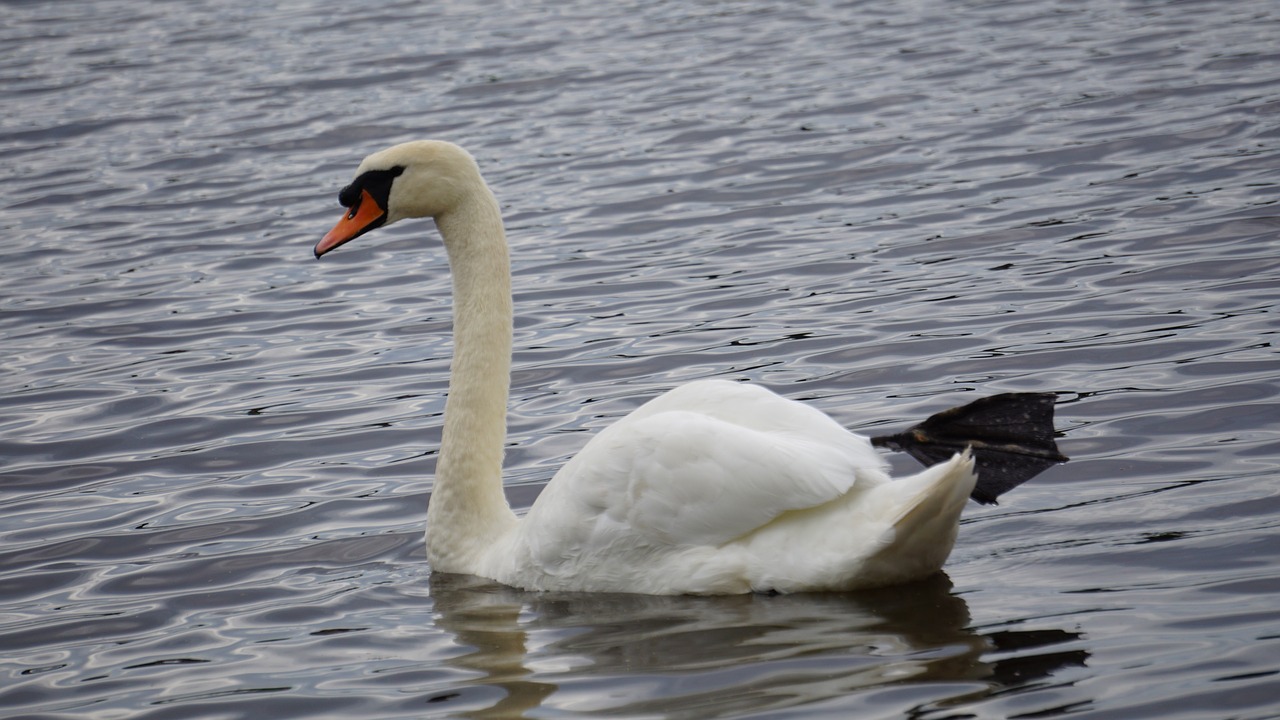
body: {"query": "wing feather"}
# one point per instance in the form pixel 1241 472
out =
pixel 700 466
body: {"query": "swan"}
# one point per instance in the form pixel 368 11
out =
pixel 715 487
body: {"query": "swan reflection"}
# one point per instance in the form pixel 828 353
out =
pixel 628 654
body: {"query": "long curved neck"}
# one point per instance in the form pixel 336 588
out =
pixel 468 511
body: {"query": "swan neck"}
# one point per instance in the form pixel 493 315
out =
pixel 468 511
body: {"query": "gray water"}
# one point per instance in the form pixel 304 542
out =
pixel 216 452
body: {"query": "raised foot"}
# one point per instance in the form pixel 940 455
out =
pixel 1010 435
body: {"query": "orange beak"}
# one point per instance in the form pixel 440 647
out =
pixel 358 220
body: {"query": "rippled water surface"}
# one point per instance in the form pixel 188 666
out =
pixel 215 452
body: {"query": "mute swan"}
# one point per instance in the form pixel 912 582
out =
pixel 715 487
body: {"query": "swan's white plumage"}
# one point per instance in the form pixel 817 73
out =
pixel 724 487
pixel 713 487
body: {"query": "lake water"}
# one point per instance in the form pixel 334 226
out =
pixel 216 452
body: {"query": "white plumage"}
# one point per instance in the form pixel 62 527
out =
pixel 714 487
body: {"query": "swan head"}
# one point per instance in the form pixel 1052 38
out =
pixel 424 178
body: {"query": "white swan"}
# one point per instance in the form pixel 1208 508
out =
pixel 715 487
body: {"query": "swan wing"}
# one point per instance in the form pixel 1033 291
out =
pixel 702 465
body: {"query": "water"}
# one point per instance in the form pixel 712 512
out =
pixel 216 451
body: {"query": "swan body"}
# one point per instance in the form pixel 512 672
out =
pixel 715 487
pixel 722 487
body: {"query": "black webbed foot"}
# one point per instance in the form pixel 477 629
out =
pixel 1010 435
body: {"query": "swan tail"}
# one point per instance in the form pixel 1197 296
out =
pixel 927 506
pixel 1010 435
pixel 937 492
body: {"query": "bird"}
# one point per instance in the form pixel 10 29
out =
pixel 714 487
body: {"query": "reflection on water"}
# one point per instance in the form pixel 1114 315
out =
pixel 710 657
